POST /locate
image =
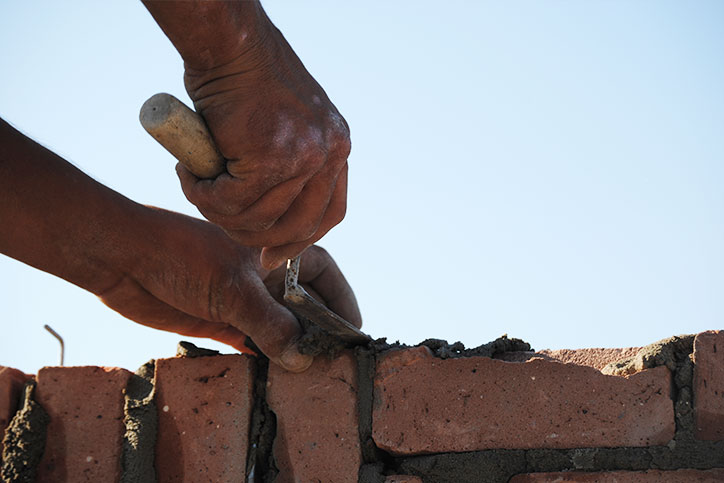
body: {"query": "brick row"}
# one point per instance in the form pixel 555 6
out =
pixel 422 405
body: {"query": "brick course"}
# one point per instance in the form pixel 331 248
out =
pixel 463 420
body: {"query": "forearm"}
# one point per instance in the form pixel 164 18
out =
pixel 59 220
pixel 208 34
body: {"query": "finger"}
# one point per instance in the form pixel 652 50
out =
pixel 273 328
pixel 133 302
pixel 306 215
pixel 274 256
pixel 224 195
pixel 319 271
pixel 263 213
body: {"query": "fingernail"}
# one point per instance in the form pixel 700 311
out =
pixel 294 361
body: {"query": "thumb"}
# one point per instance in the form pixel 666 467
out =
pixel 270 325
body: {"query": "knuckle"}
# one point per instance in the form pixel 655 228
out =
pixel 320 252
pixel 307 232
pixel 344 147
pixel 339 212
pixel 245 238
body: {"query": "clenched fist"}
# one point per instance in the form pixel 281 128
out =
pixel 285 143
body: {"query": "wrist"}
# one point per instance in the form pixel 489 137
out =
pixel 210 34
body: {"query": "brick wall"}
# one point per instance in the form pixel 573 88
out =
pixel 431 413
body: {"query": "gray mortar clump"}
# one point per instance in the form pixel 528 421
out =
pixel 371 473
pixel 316 341
pixel 666 352
pixel 675 353
pixel 24 440
pixel 442 349
pixel 141 421
pixel 187 349
pixel 260 464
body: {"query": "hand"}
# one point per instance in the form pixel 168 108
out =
pixel 159 268
pixel 285 143
pixel 197 282
pixel 286 147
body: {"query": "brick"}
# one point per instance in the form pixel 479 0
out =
pixel 708 385
pixel 85 434
pixel 403 479
pixel 204 406
pixel 650 476
pixel 317 423
pixel 11 387
pixel 428 405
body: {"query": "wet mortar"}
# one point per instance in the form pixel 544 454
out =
pixel 316 341
pixel 24 440
pixel 141 422
pixel 260 465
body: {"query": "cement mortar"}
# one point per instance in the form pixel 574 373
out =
pixel 442 349
pixel 24 440
pixel 498 466
pixel 478 467
pixel 141 421
pixel 371 473
pixel 260 464
pixel 666 352
pixel 316 341
pixel 187 349
pixel 371 454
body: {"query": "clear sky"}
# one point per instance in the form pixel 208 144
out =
pixel 553 170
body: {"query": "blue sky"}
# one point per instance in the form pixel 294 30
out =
pixel 551 170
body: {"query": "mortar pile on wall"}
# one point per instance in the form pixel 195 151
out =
pixel 382 413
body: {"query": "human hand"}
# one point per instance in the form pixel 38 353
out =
pixel 286 147
pixel 195 281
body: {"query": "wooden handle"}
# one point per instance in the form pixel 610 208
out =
pixel 183 133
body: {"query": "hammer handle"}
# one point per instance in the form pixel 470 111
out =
pixel 183 133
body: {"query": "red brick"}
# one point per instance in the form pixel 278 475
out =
pixel 427 405
pixel 709 385
pixel 85 434
pixel 403 479
pixel 11 386
pixel 317 424
pixel 650 476
pixel 204 406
